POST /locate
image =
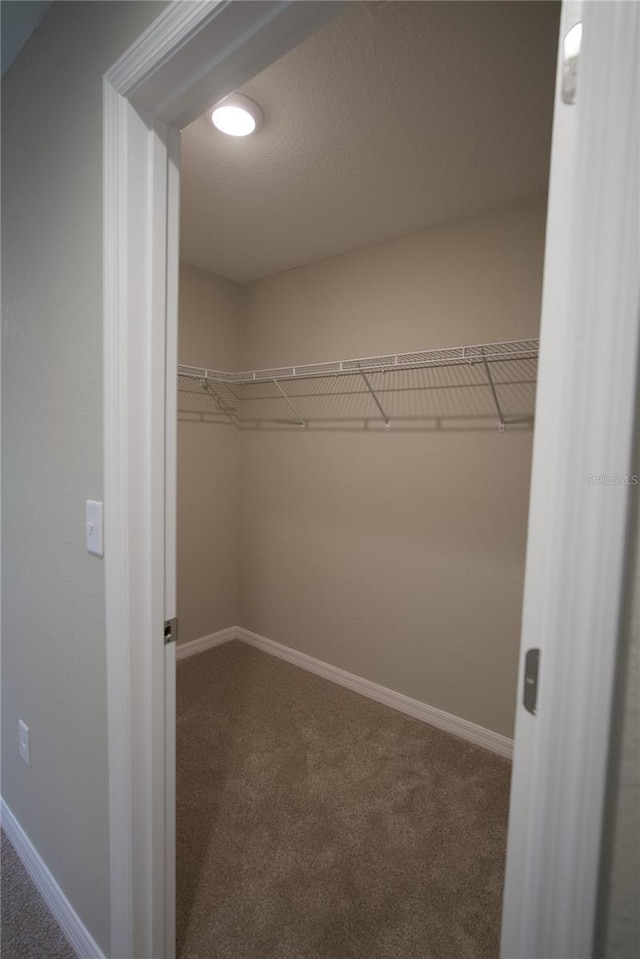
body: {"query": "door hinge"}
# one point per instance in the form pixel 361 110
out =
pixel 531 669
pixel 571 46
pixel 171 631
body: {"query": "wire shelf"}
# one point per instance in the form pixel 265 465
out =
pixel 371 380
pixel 491 352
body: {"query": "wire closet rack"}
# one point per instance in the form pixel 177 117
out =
pixel 247 398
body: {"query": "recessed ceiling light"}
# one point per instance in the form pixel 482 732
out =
pixel 237 115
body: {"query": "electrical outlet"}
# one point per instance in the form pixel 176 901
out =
pixel 24 742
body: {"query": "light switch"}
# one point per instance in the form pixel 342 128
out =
pixel 23 741
pixel 93 515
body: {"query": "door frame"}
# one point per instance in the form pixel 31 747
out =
pixel 192 55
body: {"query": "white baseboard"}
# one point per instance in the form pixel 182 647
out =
pixel 63 912
pixel 184 650
pixel 404 704
pixel 449 723
pixel 462 728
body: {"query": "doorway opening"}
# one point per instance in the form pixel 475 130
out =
pixel 191 57
pixel 356 385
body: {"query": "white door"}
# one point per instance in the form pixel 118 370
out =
pixel 579 500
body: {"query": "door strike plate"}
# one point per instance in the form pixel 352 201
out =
pixel 531 669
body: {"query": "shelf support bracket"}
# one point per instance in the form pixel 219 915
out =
pixel 290 405
pixel 222 406
pixel 227 386
pixel 387 422
pixel 493 392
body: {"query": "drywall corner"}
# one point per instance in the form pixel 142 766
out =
pixel 208 504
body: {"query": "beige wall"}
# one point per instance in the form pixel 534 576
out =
pixel 209 334
pixel 53 632
pixel 399 556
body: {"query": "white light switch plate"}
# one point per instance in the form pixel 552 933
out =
pixel 93 516
pixel 23 734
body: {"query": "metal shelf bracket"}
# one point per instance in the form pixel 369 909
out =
pixel 290 404
pixel 501 423
pixel 387 421
pixel 220 403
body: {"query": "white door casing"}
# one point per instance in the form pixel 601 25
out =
pixel 170 551
pixel 191 56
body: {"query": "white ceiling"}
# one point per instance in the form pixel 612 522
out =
pixel 375 126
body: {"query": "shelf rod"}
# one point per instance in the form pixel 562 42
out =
pixel 364 376
pixel 222 406
pixel 493 391
pixel 291 406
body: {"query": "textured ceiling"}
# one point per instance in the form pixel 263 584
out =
pixel 375 126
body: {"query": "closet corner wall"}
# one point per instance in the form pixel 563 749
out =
pixel 396 556
pixel 208 506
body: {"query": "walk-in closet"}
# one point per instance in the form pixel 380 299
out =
pixel 359 305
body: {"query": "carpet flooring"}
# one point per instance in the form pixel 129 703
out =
pixel 313 823
pixel 27 928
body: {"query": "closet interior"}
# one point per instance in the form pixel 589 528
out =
pixel 360 290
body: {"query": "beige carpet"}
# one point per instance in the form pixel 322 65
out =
pixel 27 928
pixel 315 823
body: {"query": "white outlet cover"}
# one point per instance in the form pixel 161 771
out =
pixel 93 524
